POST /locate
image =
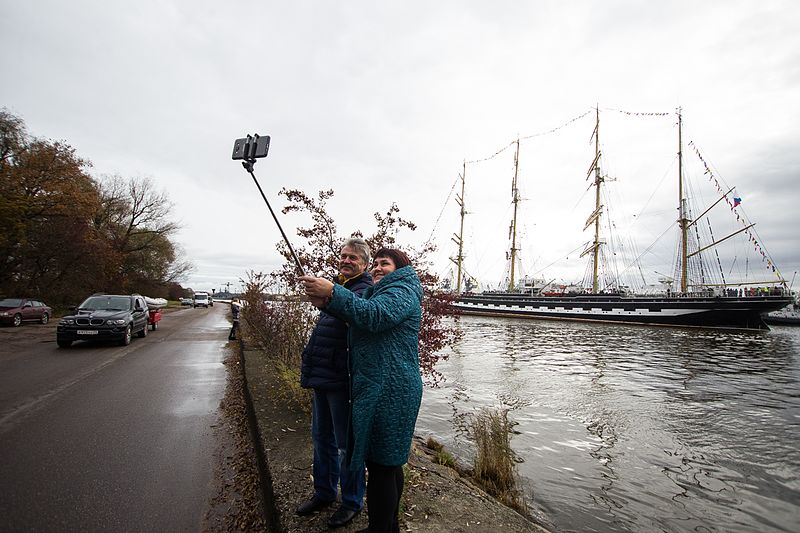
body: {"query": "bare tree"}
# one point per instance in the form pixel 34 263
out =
pixel 134 213
pixel 135 218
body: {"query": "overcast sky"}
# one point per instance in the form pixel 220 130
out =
pixel 383 102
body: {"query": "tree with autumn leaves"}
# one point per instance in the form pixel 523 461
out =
pixel 318 251
pixel 67 234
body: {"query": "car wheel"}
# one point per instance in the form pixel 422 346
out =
pixel 142 334
pixel 45 318
pixel 17 320
pixel 63 343
pixel 126 340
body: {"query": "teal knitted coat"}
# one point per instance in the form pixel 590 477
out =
pixel 384 358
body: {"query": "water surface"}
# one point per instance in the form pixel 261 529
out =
pixel 631 428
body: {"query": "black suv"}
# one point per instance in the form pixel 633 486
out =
pixel 105 317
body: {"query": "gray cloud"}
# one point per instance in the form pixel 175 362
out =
pixel 383 102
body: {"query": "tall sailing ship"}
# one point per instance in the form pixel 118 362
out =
pixel 694 302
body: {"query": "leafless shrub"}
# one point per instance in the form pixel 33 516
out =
pixel 279 327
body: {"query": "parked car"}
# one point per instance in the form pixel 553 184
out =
pixel 105 317
pixel 15 311
pixel 186 301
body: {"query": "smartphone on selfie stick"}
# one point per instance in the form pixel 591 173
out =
pixel 248 150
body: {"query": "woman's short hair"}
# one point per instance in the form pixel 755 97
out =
pixel 360 246
pixel 398 257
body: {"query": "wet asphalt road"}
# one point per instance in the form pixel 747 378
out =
pixel 111 438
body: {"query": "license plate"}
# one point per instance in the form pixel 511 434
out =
pixel 87 332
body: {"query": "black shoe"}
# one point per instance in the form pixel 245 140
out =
pixel 342 517
pixel 312 505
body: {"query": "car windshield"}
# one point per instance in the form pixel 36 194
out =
pixel 201 297
pixel 106 303
pixel 11 302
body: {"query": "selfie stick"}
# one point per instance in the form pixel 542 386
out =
pixel 249 161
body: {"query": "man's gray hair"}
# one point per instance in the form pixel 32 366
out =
pixel 360 246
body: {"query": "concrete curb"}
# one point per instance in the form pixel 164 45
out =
pixel 272 515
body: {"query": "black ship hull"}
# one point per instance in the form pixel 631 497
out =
pixel 707 312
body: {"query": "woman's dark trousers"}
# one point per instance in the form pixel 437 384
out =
pixel 384 489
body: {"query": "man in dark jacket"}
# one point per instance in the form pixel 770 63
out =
pixel 326 370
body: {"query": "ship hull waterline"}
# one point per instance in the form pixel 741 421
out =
pixel 740 313
pixel 782 320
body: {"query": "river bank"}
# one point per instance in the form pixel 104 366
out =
pixel 436 499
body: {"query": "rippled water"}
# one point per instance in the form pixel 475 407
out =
pixel 625 428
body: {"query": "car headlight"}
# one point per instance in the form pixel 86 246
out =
pixel 116 322
pixel 5 313
pixel 66 321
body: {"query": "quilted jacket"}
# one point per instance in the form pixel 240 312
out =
pixel 384 357
pixel 325 359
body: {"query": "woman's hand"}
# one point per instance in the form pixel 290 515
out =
pixel 317 288
pixel 319 303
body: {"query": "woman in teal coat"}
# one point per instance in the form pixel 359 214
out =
pixel 386 384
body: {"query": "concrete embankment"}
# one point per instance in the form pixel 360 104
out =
pixel 436 498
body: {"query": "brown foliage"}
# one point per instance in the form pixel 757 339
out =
pixel 66 235
pixel 319 250
pixel 46 201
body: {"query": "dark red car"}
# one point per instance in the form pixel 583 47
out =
pixel 16 310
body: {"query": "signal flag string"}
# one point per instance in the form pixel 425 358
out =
pixel 733 205
pixel 548 132
pixel 638 113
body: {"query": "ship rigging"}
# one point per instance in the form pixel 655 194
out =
pixel 697 300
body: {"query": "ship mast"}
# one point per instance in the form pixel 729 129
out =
pixel 598 179
pixel 682 210
pixel 515 199
pixel 459 239
pixel 594 218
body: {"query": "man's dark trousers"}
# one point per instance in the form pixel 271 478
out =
pixel 330 423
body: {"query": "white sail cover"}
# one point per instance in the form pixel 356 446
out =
pixel 155 303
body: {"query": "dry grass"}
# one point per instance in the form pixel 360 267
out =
pixel 445 459
pixel 290 376
pixel 495 460
pixel 280 329
pixel 440 456
pixel 434 444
